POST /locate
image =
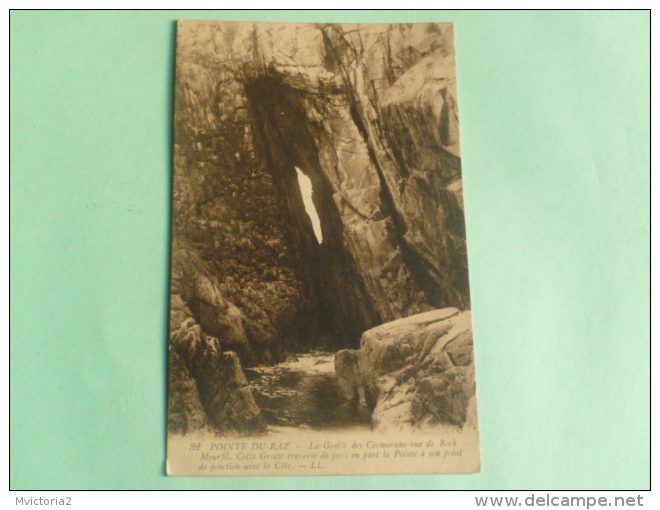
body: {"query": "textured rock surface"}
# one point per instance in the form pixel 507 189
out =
pixel 185 412
pixel 418 370
pixel 207 387
pixel 368 113
pixel 349 377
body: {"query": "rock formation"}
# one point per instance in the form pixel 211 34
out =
pixel 350 380
pixel 368 113
pixel 416 371
pixel 207 387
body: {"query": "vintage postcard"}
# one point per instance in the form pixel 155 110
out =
pixel 320 307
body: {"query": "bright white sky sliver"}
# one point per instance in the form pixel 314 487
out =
pixel 305 184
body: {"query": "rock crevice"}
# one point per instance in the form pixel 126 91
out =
pixel 368 113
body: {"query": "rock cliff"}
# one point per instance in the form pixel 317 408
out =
pixel 368 113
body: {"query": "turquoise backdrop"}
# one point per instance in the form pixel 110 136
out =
pixel 555 129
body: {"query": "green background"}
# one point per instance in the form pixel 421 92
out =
pixel 555 129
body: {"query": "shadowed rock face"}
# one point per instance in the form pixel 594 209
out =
pixel 368 113
pixel 185 412
pixel 208 388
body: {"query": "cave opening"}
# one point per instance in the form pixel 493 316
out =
pixel 307 190
pixel 337 306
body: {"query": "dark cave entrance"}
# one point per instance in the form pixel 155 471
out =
pixel 338 307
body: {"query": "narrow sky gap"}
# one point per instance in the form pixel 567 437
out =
pixel 305 185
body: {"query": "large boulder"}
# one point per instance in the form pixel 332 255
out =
pixel 418 371
pixel 351 385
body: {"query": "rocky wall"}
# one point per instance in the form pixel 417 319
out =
pixel 368 113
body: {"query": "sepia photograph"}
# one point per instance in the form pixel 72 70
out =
pixel 349 249
pixel 320 316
